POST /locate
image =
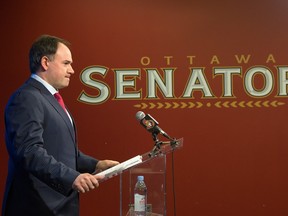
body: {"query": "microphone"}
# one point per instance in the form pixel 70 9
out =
pixel 150 124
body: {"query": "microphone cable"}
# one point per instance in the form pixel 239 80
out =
pixel 173 184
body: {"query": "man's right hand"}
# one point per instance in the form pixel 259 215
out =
pixel 86 182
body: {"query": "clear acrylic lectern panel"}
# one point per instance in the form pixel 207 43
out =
pixel 153 168
pixel 154 172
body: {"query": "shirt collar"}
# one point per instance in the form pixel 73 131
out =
pixel 49 87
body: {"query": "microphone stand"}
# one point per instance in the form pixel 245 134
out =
pixel 158 143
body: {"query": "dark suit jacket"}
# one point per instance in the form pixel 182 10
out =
pixel 43 156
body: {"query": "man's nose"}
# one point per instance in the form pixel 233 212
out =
pixel 71 70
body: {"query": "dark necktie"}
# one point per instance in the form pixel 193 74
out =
pixel 60 100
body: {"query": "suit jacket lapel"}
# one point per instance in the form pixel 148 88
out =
pixel 61 112
pixel 46 94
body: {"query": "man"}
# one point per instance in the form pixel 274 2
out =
pixel 46 170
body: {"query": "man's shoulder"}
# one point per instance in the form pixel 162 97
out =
pixel 30 87
pixel 29 93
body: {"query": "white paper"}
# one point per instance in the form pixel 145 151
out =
pixel 121 167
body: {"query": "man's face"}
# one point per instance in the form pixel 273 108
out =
pixel 59 69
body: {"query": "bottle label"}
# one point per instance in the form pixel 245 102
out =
pixel 139 202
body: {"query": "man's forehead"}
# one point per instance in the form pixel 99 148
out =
pixel 64 52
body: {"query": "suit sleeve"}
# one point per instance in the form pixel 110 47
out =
pixel 86 163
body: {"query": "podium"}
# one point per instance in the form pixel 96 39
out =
pixel 151 165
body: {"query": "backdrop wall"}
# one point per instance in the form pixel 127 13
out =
pixel 213 72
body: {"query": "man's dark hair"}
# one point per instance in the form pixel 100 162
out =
pixel 45 45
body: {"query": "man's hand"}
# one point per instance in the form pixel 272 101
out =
pixel 86 182
pixel 105 164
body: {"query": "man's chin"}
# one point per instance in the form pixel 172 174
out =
pixel 63 86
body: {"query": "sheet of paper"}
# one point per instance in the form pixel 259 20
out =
pixel 120 167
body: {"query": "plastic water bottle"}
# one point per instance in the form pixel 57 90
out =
pixel 140 197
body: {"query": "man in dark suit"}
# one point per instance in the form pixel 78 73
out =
pixel 46 170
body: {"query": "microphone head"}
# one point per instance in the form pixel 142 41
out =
pixel 140 115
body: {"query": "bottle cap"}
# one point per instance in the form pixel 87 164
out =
pixel 140 178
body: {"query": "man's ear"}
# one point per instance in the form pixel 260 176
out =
pixel 45 62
